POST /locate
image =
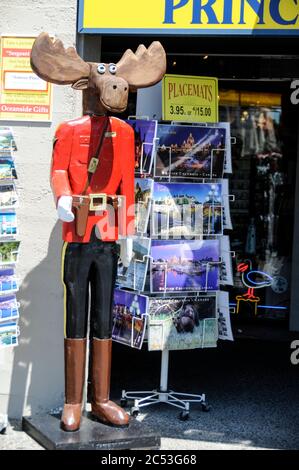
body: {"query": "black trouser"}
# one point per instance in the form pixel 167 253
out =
pixel 91 264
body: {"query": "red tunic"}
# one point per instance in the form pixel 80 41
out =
pixel 75 144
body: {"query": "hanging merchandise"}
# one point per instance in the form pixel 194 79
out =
pixel 9 308
pixel 143 196
pixel 186 209
pixel 190 266
pixel 182 323
pixel 8 197
pixel 133 277
pixel 129 318
pixel 9 247
pixel 224 323
pixel 186 256
pixel 7 142
pixel 9 333
pixel 190 151
pixel 226 274
pixel 145 132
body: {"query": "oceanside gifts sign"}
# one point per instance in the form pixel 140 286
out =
pixel 23 95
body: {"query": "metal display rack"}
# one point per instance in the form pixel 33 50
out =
pixel 164 394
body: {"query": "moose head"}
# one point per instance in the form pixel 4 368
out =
pixel 106 86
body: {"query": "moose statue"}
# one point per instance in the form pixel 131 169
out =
pixel 92 179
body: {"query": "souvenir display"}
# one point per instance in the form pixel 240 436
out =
pixel 7 142
pixel 8 224
pixel 224 323
pixel 145 143
pixel 92 178
pixel 185 265
pixel 143 196
pixel 9 252
pixel 178 322
pixel 8 334
pixel 9 308
pixel 7 170
pixel 8 197
pixel 129 318
pixel 134 275
pixel 186 209
pixel 8 281
pixel 190 151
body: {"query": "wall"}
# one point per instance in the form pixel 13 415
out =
pixel 31 376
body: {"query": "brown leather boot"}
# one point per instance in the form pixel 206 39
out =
pixel 101 407
pixel 74 372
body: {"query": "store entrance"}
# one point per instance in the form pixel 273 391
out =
pixel 264 126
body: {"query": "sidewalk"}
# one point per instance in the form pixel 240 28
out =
pixel 251 385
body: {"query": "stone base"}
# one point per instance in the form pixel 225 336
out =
pixel 92 435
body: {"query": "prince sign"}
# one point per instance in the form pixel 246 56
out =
pixel 197 17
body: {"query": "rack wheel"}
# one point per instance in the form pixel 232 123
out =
pixel 134 411
pixel 184 415
pixel 123 402
pixel 205 407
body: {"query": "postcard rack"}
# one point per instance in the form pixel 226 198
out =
pixel 206 267
pixel 9 246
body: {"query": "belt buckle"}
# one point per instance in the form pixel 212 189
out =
pixel 98 202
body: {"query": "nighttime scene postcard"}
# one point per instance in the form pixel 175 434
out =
pixel 190 152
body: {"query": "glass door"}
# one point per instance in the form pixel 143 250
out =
pixel 263 185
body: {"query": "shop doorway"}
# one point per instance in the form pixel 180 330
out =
pixel 263 187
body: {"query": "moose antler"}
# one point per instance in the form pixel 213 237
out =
pixel 144 68
pixel 53 63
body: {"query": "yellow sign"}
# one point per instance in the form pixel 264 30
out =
pixel 23 95
pixel 260 17
pixel 190 99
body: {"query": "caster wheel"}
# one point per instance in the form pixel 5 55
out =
pixel 3 431
pixel 184 415
pixel 205 407
pixel 123 402
pixel 134 411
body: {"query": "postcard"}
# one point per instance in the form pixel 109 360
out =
pixel 143 197
pixel 129 318
pixel 190 151
pixel 224 322
pixel 210 333
pixel 8 196
pixel 9 252
pixel 226 269
pixel 8 334
pixel 145 142
pixel 176 323
pixel 8 281
pixel 7 142
pixel 180 265
pixel 7 169
pixel 227 221
pixel 9 308
pixel 8 224
pixel 186 210
pixel 134 276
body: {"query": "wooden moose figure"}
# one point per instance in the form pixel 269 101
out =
pixel 92 179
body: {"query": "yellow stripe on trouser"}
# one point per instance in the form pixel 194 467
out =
pixel 65 245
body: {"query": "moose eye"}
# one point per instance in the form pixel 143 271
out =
pixel 101 68
pixel 112 68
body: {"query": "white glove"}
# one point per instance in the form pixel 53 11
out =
pixel 64 209
pixel 126 251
